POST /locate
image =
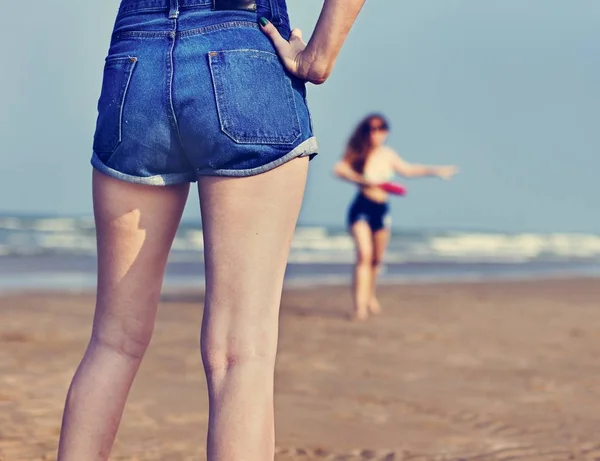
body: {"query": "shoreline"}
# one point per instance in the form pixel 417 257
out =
pixel 62 284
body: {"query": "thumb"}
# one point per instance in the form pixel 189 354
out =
pixel 279 42
pixel 296 34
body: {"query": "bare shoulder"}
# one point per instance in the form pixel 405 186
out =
pixel 388 151
pixel 390 154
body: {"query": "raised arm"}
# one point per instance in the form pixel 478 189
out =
pixel 411 170
pixel 314 62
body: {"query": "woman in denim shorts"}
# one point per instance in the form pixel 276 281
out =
pixel 211 91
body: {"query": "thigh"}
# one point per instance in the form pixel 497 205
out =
pixel 381 239
pixel 363 240
pixel 135 227
pixel 248 226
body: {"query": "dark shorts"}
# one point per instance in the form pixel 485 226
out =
pixel 374 213
pixel 189 91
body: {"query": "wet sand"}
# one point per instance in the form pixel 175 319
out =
pixel 491 371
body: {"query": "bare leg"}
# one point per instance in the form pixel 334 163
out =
pixel 363 271
pixel 135 228
pixel 248 228
pixel 381 239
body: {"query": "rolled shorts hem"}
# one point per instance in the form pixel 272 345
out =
pixel 155 180
pixel 304 149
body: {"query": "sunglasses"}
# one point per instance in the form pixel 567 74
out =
pixel 376 128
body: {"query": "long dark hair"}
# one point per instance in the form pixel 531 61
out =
pixel 359 146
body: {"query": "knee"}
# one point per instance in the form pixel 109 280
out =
pixel 127 338
pixel 219 357
pixel 364 261
pixel 376 263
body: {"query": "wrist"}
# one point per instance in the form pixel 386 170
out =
pixel 315 66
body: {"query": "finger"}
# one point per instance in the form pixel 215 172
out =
pixel 281 44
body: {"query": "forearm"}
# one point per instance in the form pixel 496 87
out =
pixel 420 171
pixel 351 176
pixel 331 31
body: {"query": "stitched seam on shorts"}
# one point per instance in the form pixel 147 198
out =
pixel 133 64
pixel 159 7
pixel 185 33
pixel 134 8
pixel 171 67
pixel 127 11
pixel 129 74
pixel 218 27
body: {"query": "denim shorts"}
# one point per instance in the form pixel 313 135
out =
pixel 188 91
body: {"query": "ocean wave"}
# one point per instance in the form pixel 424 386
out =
pixel 314 244
pixel 517 247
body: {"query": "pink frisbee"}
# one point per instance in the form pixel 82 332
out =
pixel 393 188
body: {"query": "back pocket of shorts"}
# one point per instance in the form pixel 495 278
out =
pixel 255 98
pixel 109 126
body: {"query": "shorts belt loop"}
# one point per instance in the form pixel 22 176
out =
pixel 174 11
pixel 274 7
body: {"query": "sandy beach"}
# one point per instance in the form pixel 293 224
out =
pixel 488 371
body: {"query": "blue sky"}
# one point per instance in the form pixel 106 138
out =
pixel 509 91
